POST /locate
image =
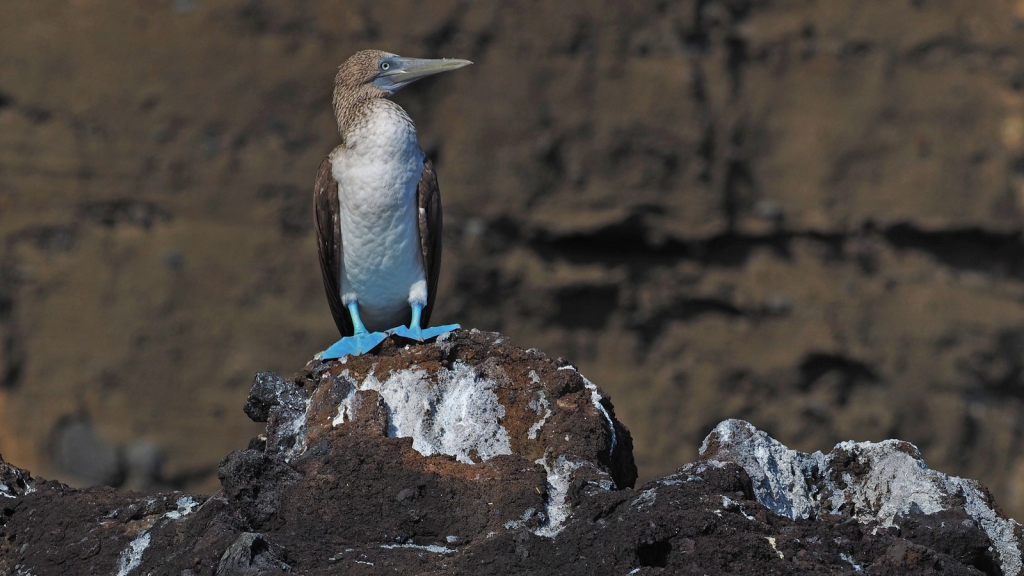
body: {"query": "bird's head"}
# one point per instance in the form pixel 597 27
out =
pixel 378 74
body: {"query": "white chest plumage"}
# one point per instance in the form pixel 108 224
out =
pixel 377 172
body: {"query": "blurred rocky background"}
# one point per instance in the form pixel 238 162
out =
pixel 806 214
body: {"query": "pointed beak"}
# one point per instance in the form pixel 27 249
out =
pixel 404 71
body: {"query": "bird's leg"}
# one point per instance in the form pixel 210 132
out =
pixel 357 322
pixel 415 332
pixel 360 342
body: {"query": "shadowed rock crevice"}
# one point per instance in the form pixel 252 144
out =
pixel 13 360
pixel 999 372
pixel 838 372
pixel 972 249
pixel 630 242
pixel 586 307
pixel 654 554
pixel 12 351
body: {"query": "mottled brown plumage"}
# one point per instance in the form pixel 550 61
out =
pixel 353 87
pixel 328 243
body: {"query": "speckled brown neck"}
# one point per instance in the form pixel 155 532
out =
pixel 352 105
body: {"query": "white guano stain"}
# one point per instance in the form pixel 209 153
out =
pixel 729 504
pixel 897 483
pixel 556 509
pixel 645 499
pixel 131 556
pixel 455 412
pixel 11 491
pixel 186 505
pixel 771 541
pixel 348 405
pixel 296 427
pixel 595 399
pixel 519 523
pixel 538 404
pixel 434 548
pixel 856 567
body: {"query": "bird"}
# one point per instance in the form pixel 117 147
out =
pixel 377 208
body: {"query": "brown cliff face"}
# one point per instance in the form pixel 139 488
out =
pixel 805 215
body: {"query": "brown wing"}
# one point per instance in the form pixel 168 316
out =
pixel 328 243
pixel 428 198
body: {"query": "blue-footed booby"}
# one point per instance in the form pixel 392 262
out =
pixel 378 209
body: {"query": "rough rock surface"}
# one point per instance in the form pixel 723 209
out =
pixel 881 485
pixel 473 456
pixel 805 214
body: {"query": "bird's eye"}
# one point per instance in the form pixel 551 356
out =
pixel 384 65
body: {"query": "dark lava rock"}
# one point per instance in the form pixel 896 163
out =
pixel 252 555
pixel 271 391
pixel 473 456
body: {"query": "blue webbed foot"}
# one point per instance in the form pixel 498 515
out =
pixel 422 334
pixel 354 345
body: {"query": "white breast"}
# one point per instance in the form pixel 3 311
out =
pixel 377 173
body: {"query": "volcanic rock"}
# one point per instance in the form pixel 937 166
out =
pixel 470 455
